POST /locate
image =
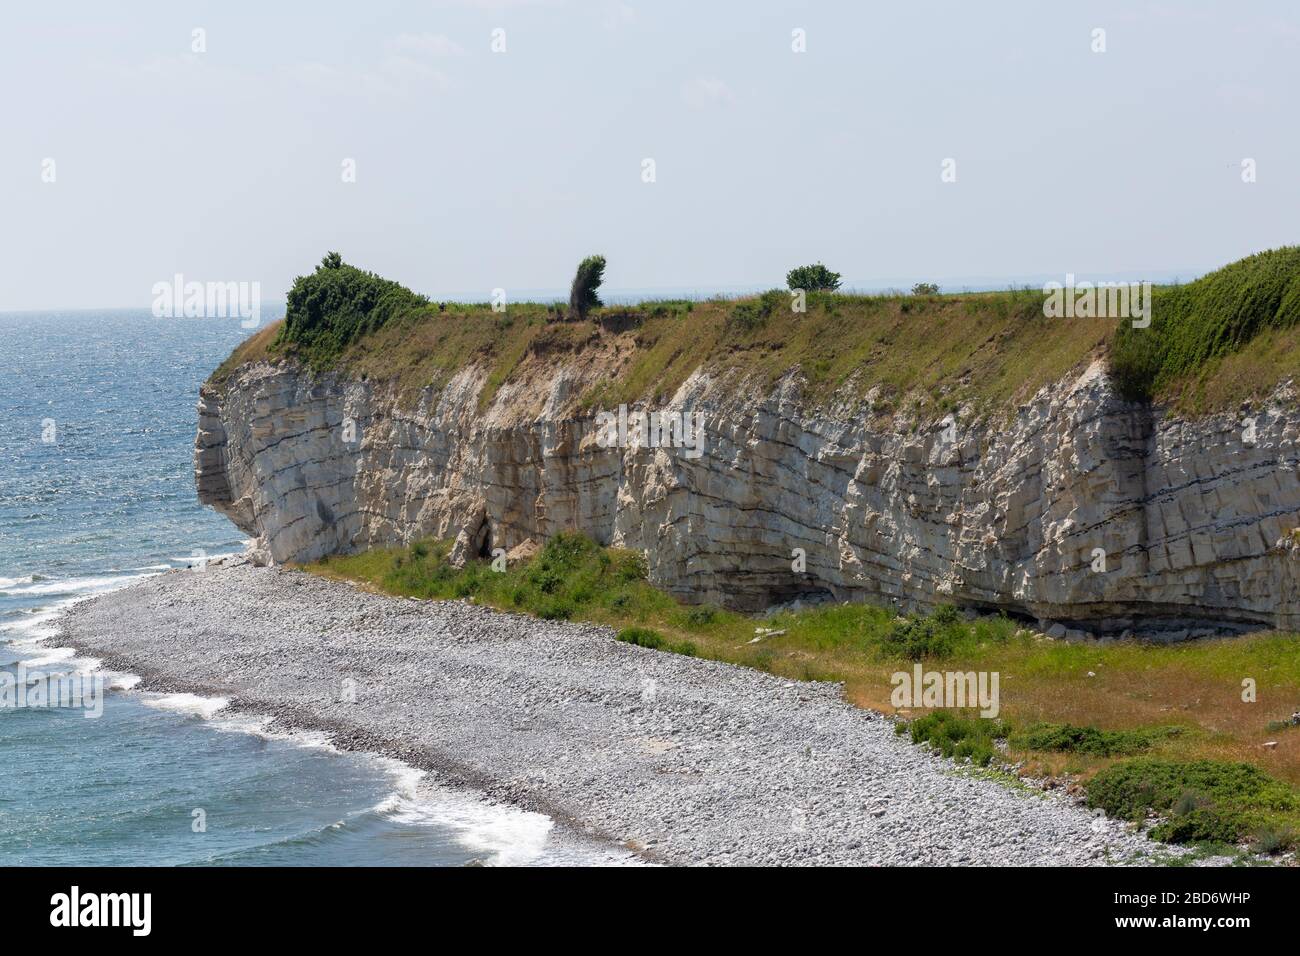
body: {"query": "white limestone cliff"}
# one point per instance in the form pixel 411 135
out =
pixel 1090 514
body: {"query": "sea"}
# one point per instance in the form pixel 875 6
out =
pixel 97 421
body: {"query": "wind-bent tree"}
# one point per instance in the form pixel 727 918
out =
pixel 582 296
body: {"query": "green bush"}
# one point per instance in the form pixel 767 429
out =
pixel 917 638
pixel 749 315
pixel 1089 740
pixel 627 566
pixel 1201 825
pixel 1201 800
pixel 701 616
pixel 813 278
pixel 337 304
pixel 925 288
pixel 1273 839
pixel 970 738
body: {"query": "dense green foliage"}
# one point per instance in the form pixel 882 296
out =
pixel 953 735
pixel 942 633
pixel 337 304
pixel 813 278
pixel 1068 738
pixel 925 288
pixel 1200 800
pixel 749 315
pixel 582 294
pixel 645 637
pixel 569 575
pixel 1204 320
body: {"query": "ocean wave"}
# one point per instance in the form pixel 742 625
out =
pixel 84 585
pixel 193 704
pixel 504 835
pixel 31 629
pixel 51 655
pixel 507 836
pixel 119 680
pixel 188 559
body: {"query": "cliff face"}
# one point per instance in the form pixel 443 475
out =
pixel 1081 509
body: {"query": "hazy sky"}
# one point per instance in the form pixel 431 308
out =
pixel 477 170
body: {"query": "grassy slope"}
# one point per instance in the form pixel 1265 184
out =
pixel 1194 688
pixel 1209 338
pixel 1224 339
pixel 993 349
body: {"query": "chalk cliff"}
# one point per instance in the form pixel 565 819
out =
pixel 1086 512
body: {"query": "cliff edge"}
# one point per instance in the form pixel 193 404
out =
pixel 980 463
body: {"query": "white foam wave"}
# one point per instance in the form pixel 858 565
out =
pixel 506 836
pixel 51 655
pixel 31 633
pixel 118 680
pixel 93 584
pixel 187 559
pixel 203 707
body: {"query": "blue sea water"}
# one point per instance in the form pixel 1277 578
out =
pixel 97 418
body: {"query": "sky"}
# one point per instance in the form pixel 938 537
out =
pixel 127 155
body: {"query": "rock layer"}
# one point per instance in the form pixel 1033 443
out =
pixel 1080 510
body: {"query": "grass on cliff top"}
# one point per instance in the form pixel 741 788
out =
pixel 1240 321
pixel 1070 709
pixel 991 349
pixel 1226 338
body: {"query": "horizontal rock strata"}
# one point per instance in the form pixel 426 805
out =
pixel 1080 509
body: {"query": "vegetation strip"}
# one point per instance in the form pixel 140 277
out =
pixel 1205 777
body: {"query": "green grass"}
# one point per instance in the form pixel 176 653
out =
pixel 1226 338
pixel 573 578
pixel 1193 327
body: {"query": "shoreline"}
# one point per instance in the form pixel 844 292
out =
pixel 434 786
pixel 675 759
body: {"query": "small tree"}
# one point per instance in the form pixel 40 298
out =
pixel 582 296
pixel 925 288
pixel 813 278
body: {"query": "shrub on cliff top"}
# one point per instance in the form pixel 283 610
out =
pixel 336 305
pixel 813 278
pixel 1214 316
